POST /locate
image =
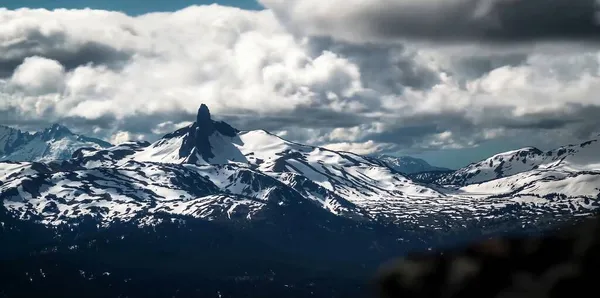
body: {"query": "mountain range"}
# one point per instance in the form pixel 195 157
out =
pixel 58 143
pixel 247 206
pixel 53 143
pixel 409 165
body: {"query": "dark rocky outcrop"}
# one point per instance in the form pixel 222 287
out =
pixel 197 138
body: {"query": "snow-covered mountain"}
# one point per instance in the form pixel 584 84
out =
pixel 210 170
pixel 430 176
pixel 54 143
pixel 11 138
pixel 571 158
pixel 249 210
pixel 409 165
pixel 213 171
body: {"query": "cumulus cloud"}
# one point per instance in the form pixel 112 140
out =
pixel 39 75
pixel 148 74
pixel 121 137
pixel 442 20
pixel 73 38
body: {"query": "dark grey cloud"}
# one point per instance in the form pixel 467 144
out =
pixel 59 47
pixel 412 131
pixel 543 123
pixel 12 117
pixel 496 21
pixel 578 118
pixel 407 135
pixel 312 118
pixel 419 133
pixel 444 20
pixel 382 67
pixel 474 66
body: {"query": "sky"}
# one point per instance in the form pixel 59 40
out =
pixel 450 81
pixel 131 7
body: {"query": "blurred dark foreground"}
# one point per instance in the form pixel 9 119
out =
pixel 563 263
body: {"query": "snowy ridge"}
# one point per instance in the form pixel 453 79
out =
pixel 573 158
pixel 54 143
pixel 118 193
pixel 212 171
pixel 528 184
pixel 409 165
pixel 354 177
pixel 11 138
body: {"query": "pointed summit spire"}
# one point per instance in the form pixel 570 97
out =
pixel 197 137
pixel 204 123
pixel 197 141
pixel 203 114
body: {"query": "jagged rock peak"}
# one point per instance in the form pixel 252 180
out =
pixel 197 138
pixel 56 131
pixel 203 113
pixel 58 127
pixel 204 123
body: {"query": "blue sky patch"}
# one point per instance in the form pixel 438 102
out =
pixel 131 7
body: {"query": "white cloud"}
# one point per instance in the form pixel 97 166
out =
pixel 168 127
pixel 39 76
pixel 147 75
pixel 227 58
pixel 365 148
pixel 120 137
pixel 124 136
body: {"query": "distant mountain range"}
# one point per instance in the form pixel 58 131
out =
pixel 59 143
pixel 219 211
pixel 409 165
pixel 53 143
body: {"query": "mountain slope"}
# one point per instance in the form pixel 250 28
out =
pixel 54 143
pixel 582 157
pixel 11 138
pixel 409 165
